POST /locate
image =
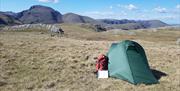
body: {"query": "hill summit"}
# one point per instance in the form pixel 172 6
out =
pixel 40 14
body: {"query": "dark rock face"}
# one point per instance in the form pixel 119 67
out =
pixel 125 24
pixel 40 14
pixel 8 20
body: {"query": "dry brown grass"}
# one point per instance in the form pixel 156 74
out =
pixel 38 62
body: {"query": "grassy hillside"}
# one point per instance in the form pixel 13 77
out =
pixel 36 61
pixel 154 35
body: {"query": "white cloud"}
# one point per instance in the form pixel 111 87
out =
pixel 111 7
pixel 47 1
pixel 178 6
pixel 160 9
pixel 104 14
pixel 129 7
pixel 169 18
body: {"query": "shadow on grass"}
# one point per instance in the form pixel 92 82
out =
pixel 158 74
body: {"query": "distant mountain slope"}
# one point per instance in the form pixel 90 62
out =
pixel 132 24
pixel 152 23
pixel 40 14
pixel 47 15
pixel 115 21
pixel 72 18
pixel 126 26
pixel 10 13
pixel 75 18
pixel 8 20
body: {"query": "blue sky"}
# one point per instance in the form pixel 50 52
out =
pixel 165 10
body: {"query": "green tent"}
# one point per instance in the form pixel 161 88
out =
pixel 127 61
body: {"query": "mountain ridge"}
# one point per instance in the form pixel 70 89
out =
pixel 47 15
pixel 40 14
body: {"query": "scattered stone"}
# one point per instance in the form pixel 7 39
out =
pixel 9 73
pixel 35 68
pixel 75 61
pixel 73 67
pixel 83 65
pixel 154 30
pixel 178 41
pixel 95 58
pixel 91 64
pixel 87 57
pixel 3 56
pixel 30 86
pixel 50 62
pixel 50 85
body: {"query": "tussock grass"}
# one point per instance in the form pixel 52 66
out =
pixel 38 62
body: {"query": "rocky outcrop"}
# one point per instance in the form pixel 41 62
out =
pixel 49 27
pixel 95 27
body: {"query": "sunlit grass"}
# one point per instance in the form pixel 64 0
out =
pixel 36 61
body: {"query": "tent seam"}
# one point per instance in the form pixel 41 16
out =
pixel 130 66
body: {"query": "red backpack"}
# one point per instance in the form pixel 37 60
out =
pixel 102 63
